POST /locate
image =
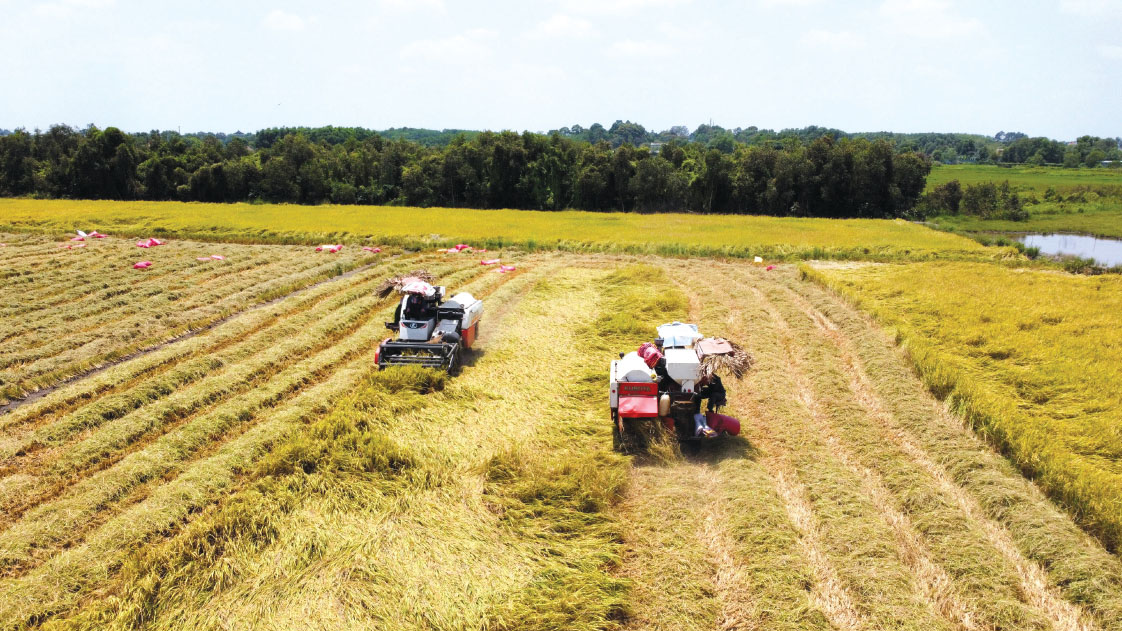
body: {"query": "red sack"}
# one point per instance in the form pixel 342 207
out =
pixel 650 354
pixel 203 258
pixel 722 423
pixel 97 235
pixel 142 265
pixel 770 267
pixel 77 238
pixel 370 249
pixel 154 242
pixel 217 257
pixel 489 262
pixel 142 244
pixel 506 268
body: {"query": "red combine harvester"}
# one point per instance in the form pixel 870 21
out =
pixel 668 380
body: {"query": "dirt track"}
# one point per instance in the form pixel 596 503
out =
pixel 836 507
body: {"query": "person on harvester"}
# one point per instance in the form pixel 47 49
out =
pixel 710 388
pixel 417 307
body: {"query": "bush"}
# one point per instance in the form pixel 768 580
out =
pixel 944 199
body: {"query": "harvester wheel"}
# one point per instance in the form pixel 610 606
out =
pixel 454 362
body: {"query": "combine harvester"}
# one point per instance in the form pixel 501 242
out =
pixel 667 381
pixel 431 331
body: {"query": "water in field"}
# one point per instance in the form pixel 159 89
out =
pixel 1105 252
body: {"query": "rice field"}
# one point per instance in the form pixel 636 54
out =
pixel 1030 358
pixel 573 231
pixel 261 474
pixel 66 311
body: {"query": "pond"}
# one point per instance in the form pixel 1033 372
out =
pixel 1105 252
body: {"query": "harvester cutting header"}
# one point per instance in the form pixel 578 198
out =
pixel 431 331
pixel 668 379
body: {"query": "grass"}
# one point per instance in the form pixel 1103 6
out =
pixel 666 234
pixel 1098 214
pixel 1030 358
pixel 1036 179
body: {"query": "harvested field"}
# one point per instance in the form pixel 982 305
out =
pixel 65 311
pixel 261 475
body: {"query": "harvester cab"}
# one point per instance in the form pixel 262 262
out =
pixel 431 331
pixel 666 381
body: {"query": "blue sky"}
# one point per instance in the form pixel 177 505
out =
pixel 1044 67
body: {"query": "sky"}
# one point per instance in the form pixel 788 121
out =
pixel 1043 67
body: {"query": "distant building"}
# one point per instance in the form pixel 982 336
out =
pixel 656 147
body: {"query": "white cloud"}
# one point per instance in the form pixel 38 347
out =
pixel 402 6
pixel 1092 8
pixel 618 7
pixel 834 40
pixel 1111 51
pixel 634 48
pixel 561 25
pixel 928 18
pixel 278 20
pixel 465 49
pixel 789 3
pixel 67 8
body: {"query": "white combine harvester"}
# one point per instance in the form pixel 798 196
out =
pixel 667 380
pixel 431 331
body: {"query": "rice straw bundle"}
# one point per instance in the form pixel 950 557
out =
pixel 735 363
pixel 397 282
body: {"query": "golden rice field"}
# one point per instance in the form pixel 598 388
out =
pixel 576 231
pixel 1032 359
pixel 261 474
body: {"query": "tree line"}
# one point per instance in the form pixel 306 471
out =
pixel 825 177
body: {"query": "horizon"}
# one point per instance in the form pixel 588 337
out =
pixel 690 130
pixel 909 66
